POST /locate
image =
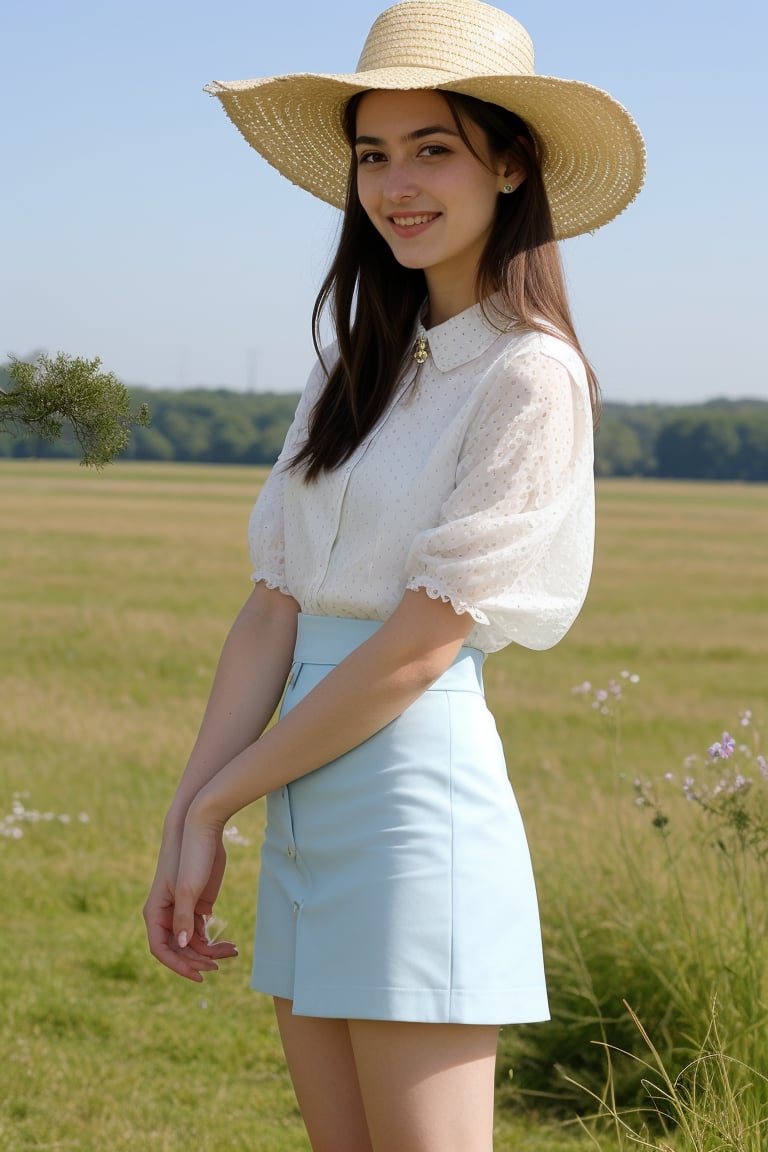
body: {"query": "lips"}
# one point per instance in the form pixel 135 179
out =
pixel 411 221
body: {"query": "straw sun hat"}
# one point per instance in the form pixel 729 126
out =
pixel 591 151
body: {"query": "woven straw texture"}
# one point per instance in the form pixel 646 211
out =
pixel 591 151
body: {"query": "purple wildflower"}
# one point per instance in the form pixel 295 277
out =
pixel 722 749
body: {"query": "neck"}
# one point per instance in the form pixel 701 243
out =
pixel 447 300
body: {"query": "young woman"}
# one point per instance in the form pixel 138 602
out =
pixel 433 503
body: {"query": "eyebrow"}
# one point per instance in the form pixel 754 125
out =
pixel 418 134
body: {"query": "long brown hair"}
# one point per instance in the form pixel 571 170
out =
pixel 373 300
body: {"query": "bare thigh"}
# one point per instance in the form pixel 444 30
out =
pixel 386 1086
pixel 322 1067
pixel 426 1087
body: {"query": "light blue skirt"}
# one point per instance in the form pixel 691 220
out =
pixel 396 882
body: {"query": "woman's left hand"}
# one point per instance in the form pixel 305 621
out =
pixel 202 861
pixel 204 854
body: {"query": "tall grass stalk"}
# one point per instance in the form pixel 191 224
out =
pixel 715 1103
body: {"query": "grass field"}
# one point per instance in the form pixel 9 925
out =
pixel 116 591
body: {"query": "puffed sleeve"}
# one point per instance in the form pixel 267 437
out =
pixel 266 527
pixel 514 542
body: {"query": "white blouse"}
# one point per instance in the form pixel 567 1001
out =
pixel 475 485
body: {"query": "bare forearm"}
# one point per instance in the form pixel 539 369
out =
pixel 247 687
pixel 370 688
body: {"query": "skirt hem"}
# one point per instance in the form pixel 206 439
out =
pixel 414 1005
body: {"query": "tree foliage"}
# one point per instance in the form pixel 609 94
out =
pixel 719 440
pixel 214 426
pixel 46 393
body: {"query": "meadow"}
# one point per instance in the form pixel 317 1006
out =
pixel 116 591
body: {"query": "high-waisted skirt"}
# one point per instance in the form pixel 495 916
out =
pixel 396 881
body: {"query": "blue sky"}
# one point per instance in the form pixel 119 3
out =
pixel 137 226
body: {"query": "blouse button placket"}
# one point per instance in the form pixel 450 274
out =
pixel 335 515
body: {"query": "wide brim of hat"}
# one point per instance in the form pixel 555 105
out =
pixel 591 151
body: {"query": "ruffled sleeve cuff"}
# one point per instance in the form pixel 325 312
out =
pixel 436 592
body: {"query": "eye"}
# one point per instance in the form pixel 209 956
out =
pixel 370 158
pixel 434 150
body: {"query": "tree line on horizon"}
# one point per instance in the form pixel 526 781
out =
pixel 717 440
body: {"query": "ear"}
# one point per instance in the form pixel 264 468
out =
pixel 511 176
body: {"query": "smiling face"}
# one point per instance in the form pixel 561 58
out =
pixel 424 190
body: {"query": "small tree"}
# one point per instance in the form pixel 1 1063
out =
pixel 50 391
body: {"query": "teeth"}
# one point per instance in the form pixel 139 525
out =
pixel 409 221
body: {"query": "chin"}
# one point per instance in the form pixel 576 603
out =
pixel 412 265
pixel 406 261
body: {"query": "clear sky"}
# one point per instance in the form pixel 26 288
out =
pixel 137 225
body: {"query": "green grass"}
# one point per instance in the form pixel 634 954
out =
pixel 116 591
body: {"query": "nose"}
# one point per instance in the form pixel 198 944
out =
pixel 399 182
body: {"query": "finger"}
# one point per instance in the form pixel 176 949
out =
pixel 194 872
pixel 194 960
pixel 221 950
pixel 202 942
pixel 184 913
pixel 162 946
pixel 187 964
pixel 184 961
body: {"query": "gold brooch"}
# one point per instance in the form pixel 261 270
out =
pixel 421 351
